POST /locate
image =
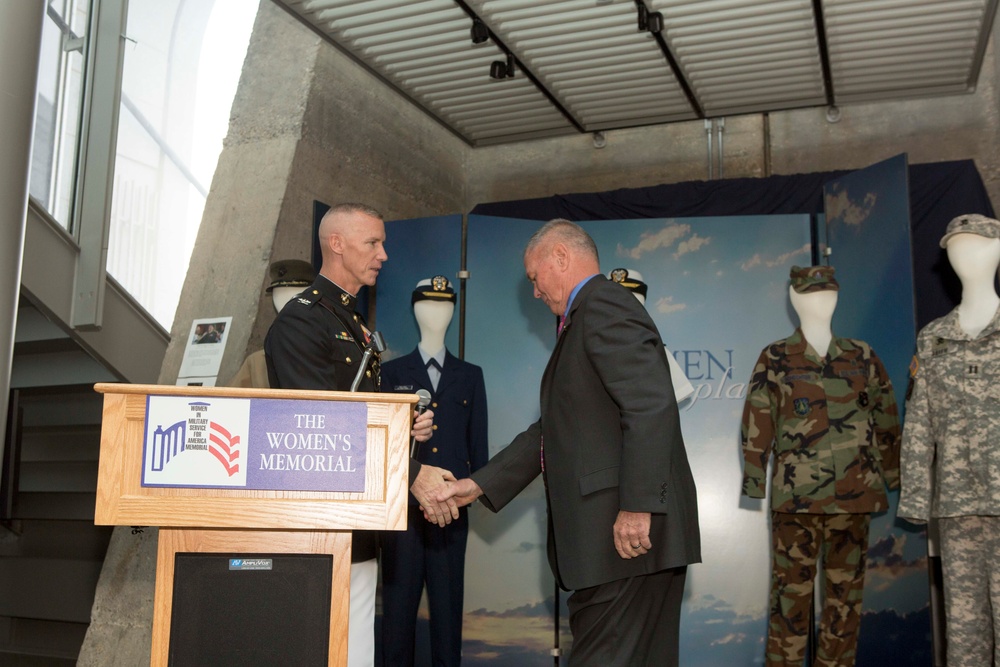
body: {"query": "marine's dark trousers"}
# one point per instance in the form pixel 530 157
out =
pixel 797 540
pixel 629 622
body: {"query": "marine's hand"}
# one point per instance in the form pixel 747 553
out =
pixel 631 533
pixel 430 482
pixel 423 426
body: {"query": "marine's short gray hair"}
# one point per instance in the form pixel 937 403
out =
pixel 354 207
pixel 570 233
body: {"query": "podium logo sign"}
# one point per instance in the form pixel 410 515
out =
pixel 261 444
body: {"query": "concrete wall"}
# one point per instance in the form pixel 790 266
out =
pixel 308 124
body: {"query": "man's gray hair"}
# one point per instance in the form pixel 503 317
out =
pixel 354 207
pixel 566 231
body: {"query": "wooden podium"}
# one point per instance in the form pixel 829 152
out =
pixel 235 520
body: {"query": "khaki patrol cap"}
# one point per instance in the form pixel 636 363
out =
pixel 971 223
pixel 813 279
pixel 291 273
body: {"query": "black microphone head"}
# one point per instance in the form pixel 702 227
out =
pixel 424 399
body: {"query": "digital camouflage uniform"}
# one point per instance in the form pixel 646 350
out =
pixel 833 427
pixel 950 465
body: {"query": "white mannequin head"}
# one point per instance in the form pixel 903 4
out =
pixel 974 258
pixel 288 278
pixel 282 295
pixel 814 306
pixel 433 318
pixel 632 280
pixel 813 292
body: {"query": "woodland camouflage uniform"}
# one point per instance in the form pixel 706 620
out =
pixel 832 425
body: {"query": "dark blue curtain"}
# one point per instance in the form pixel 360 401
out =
pixel 939 192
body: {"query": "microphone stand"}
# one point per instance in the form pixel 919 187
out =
pixel 377 344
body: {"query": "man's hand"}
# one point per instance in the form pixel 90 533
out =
pixel 429 484
pixel 632 534
pixel 423 427
pixel 462 492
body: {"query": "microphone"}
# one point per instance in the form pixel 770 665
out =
pixel 424 399
pixel 377 344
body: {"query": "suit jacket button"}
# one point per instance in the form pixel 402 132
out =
pixel 434 449
pixel 368 373
pixel 435 427
pixel 465 402
pixel 348 360
pixel 434 405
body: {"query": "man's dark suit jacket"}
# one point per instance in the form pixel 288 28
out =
pixel 610 436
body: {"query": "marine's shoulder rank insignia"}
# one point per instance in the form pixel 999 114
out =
pixel 801 406
pixel 863 399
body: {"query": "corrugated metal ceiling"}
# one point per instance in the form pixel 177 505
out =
pixel 591 65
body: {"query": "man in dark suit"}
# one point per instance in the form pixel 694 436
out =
pixel 622 508
pixel 426 553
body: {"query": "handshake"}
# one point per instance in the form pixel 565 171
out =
pixel 436 489
pixel 440 494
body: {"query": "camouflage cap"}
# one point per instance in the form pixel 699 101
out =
pixel 622 277
pixel 813 279
pixel 971 223
pixel 439 289
pixel 291 273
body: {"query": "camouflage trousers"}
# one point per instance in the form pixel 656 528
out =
pixel 797 542
pixel 970 562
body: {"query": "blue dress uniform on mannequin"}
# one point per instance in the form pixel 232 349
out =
pixel 425 552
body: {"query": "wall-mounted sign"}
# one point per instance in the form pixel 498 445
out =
pixel 203 351
pixel 255 443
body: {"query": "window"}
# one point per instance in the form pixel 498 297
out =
pixel 183 60
pixel 57 117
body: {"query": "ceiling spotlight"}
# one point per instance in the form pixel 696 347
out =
pixel 502 70
pixel 480 33
pixel 655 22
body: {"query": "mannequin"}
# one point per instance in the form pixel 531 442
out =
pixel 815 311
pixel 288 278
pixel 426 553
pixel 632 279
pixel 825 408
pixel 975 259
pixel 951 443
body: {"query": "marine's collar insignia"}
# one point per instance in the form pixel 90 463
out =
pixel 345 299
